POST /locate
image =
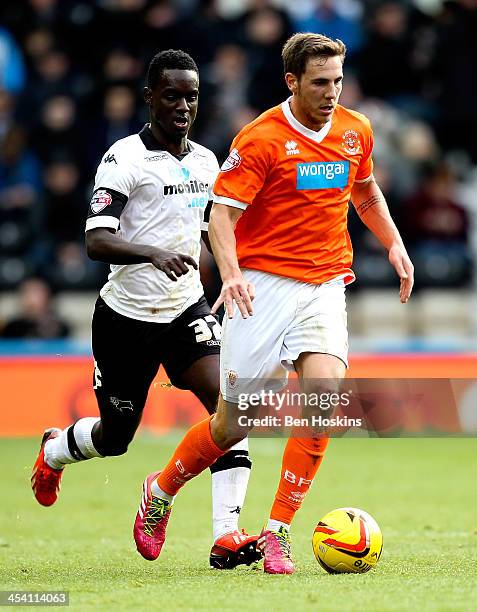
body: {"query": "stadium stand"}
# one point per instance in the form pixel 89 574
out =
pixel 70 85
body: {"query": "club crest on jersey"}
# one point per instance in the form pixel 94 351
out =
pixel 232 378
pixel 291 147
pixel 233 161
pixel 100 200
pixel 350 142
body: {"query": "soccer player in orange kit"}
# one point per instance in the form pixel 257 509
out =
pixel 279 234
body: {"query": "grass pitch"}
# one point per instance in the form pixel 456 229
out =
pixel 422 492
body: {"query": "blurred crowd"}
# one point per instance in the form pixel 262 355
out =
pixel 71 77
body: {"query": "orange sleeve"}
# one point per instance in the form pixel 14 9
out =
pixel 366 164
pixel 243 173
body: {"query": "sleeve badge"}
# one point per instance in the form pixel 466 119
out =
pixel 101 198
pixel 233 161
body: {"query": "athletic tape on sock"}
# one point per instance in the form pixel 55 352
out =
pixel 82 431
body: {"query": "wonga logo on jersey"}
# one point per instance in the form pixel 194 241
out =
pixel 322 175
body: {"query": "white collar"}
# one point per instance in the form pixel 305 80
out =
pixel 299 127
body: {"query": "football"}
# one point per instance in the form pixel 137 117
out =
pixel 347 540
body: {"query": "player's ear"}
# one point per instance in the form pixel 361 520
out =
pixel 292 82
pixel 147 95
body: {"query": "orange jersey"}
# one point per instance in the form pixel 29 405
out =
pixel 295 185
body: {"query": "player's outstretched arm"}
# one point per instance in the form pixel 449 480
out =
pixel 222 238
pixel 103 245
pixel 373 211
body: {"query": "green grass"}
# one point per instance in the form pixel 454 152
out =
pixel 421 492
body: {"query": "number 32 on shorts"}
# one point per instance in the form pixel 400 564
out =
pixel 206 329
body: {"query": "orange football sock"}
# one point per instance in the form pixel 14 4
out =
pixel 301 459
pixel 196 451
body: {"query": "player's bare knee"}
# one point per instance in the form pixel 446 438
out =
pixel 321 398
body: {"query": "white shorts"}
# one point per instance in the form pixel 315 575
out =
pixel 290 317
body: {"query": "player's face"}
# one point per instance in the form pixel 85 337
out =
pixel 317 92
pixel 173 102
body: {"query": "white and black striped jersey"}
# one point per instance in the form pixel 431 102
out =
pixel 153 197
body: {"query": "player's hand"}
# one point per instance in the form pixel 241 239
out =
pixel 172 264
pixel 405 270
pixel 236 290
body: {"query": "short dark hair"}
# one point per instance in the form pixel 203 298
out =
pixel 172 59
pixel 302 46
